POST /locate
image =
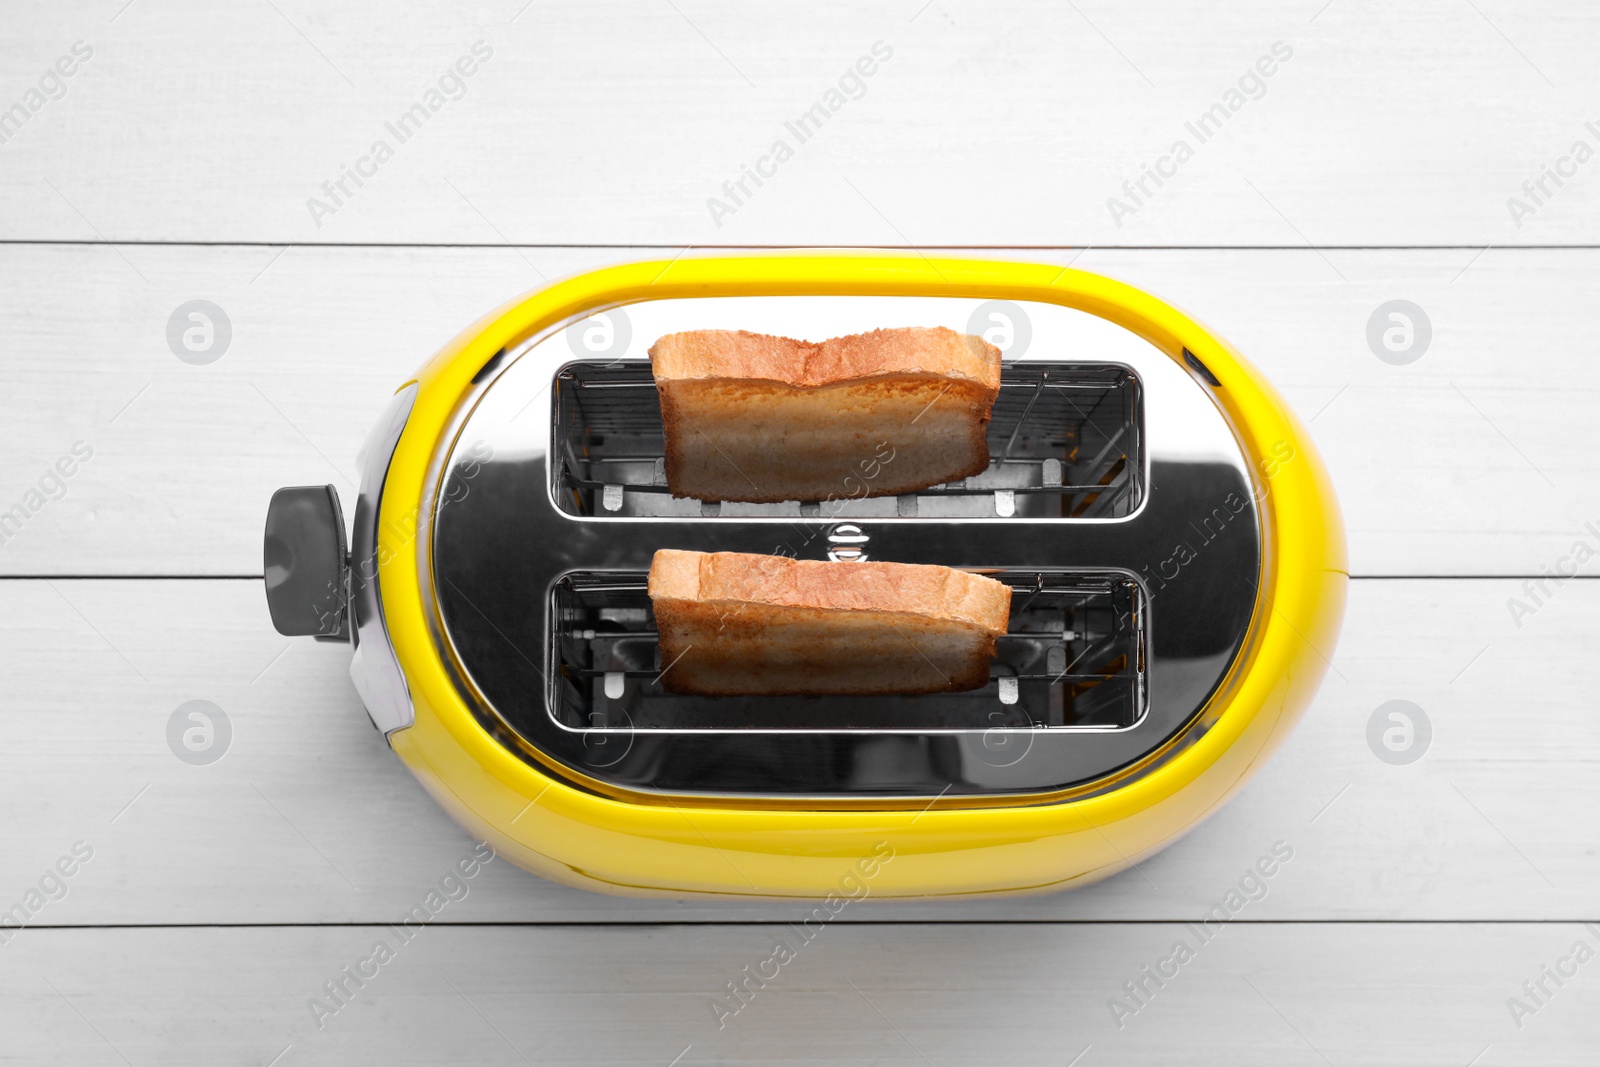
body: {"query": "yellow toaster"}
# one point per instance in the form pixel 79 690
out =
pixel 1170 535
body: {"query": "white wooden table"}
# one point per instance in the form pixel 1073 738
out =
pixel 175 163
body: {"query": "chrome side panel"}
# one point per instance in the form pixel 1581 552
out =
pixel 374 668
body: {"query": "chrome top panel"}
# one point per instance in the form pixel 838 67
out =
pixel 499 543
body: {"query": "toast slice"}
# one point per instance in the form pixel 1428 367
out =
pixel 731 624
pixel 751 417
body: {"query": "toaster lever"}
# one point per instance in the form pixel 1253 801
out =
pixel 306 563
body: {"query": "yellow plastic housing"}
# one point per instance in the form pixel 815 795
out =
pixel 654 844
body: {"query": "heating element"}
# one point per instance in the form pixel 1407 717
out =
pixel 1073 658
pixel 1063 442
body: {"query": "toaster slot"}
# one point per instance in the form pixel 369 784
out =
pixel 1065 441
pixel 1073 659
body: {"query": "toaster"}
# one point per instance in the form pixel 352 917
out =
pixel 1171 537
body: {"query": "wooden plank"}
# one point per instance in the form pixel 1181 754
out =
pixel 309 818
pixel 989 124
pixel 1459 463
pixel 981 993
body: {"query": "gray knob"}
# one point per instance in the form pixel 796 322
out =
pixel 306 564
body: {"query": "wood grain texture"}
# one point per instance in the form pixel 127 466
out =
pixel 309 818
pixel 1476 459
pixel 981 993
pixel 991 123
pixel 1418 898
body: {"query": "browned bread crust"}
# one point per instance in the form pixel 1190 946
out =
pixel 933 350
pixel 752 417
pixel 734 623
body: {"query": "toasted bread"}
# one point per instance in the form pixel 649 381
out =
pixel 731 623
pixel 751 417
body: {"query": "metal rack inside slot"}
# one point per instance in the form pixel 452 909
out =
pixel 1065 441
pixel 1073 657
